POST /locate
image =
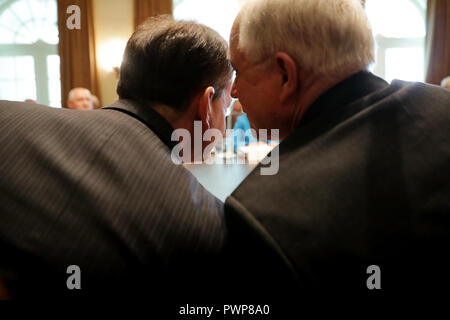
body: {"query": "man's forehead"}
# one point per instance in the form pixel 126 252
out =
pixel 234 34
pixel 238 58
pixel 82 92
pixel 233 51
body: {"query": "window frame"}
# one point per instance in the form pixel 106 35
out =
pixel 384 43
pixel 39 50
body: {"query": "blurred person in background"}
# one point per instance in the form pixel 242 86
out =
pixel 96 102
pixel 445 83
pixel 80 99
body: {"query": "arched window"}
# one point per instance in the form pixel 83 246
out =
pixel 399 30
pixel 29 60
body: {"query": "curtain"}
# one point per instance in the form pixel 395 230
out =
pixel 77 49
pixel 437 45
pixel 147 8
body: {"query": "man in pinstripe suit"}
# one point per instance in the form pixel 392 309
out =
pixel 98 189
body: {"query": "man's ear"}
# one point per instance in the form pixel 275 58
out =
pixel 205 107
pixel 289 76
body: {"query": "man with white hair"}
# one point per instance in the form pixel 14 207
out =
pixel 80 99
pixel 445 83
pixel 360 201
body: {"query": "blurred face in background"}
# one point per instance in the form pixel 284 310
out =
pixel 80 99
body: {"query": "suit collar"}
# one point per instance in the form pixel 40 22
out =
pixel 146 114
pixel 344 93
pixel 335 106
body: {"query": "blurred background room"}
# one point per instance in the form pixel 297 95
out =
pixel 45 52
pixel 42 59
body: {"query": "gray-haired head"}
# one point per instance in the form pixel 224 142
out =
pixel 80 99
pixel 323 36
pixel 446 82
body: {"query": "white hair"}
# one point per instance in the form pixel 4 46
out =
pixel 323 36
pixel 71 94
pixel 446 82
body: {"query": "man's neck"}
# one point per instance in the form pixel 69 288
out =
pixel 184 119
pixel 178 119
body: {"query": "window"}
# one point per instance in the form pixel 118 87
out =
pixel 216 14
pixel 29 60
pixel 399 30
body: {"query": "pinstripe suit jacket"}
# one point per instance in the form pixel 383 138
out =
pixel 98 189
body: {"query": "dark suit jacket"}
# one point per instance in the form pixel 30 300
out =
pixel 363 180
pixel 98 189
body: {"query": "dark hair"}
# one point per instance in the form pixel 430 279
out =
pixel 169 62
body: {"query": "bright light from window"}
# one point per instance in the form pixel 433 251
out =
pixel 29 38
pixel 28 21
pixel 111 53
pixel 216 14
pixel 397 19
pixel 404 64
pixel 399 30
pixel 54 81
pixel 17 78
